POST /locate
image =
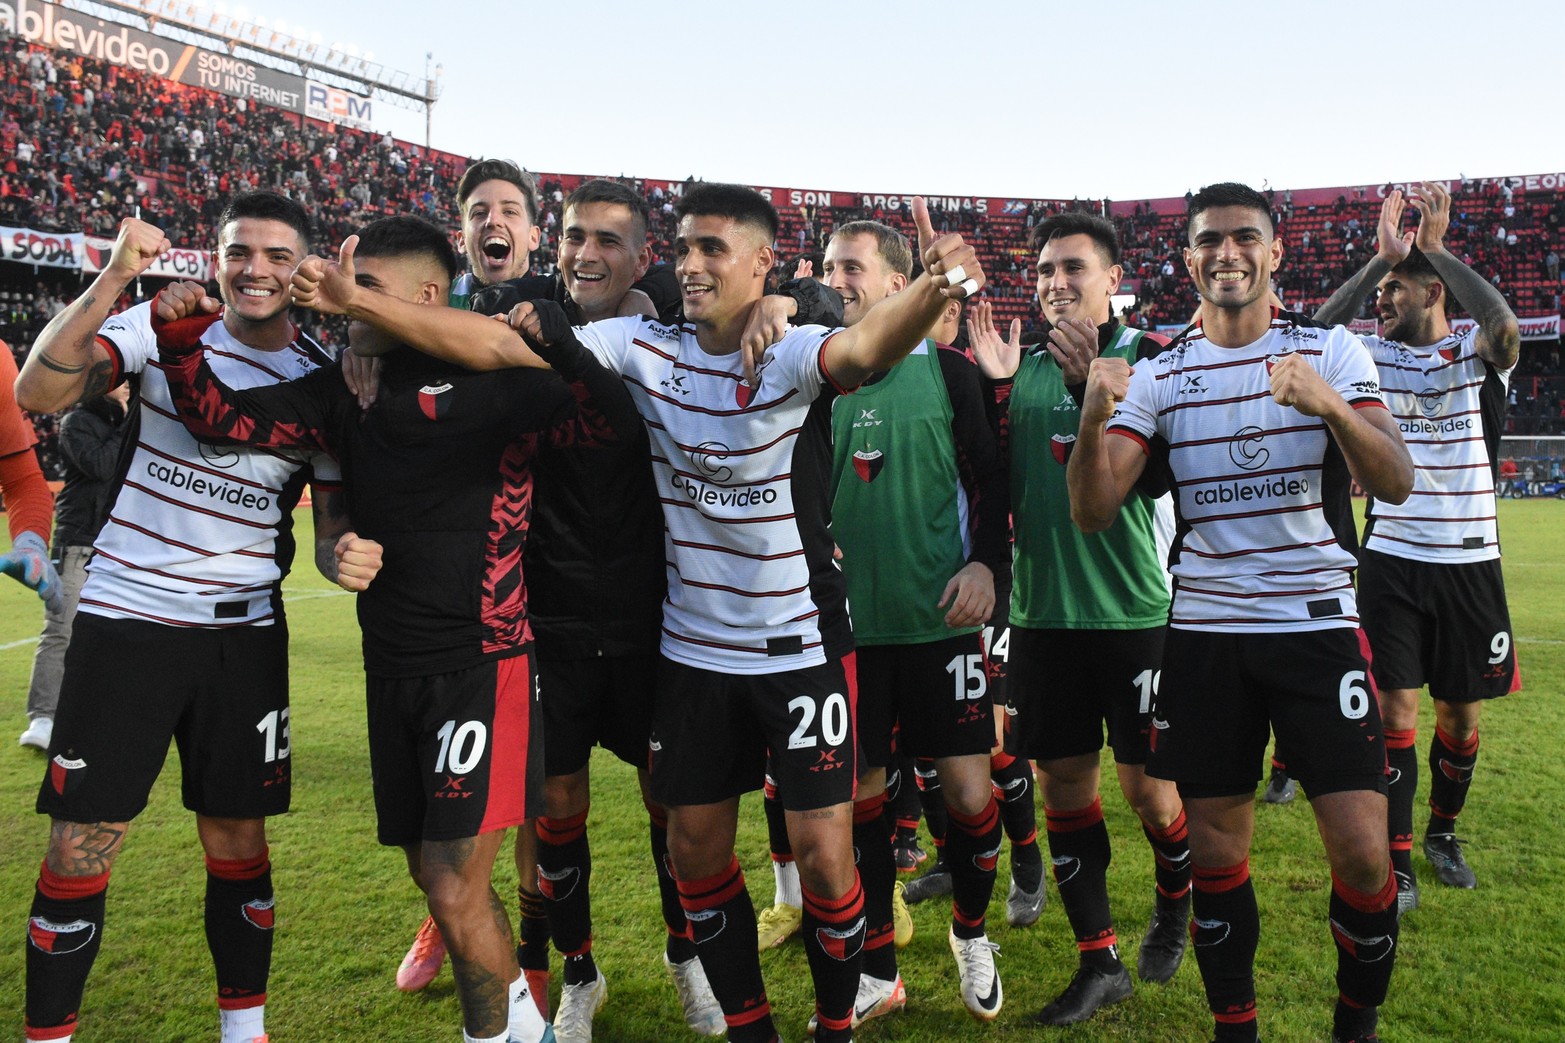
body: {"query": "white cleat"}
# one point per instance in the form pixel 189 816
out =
pixel 702 1012
pixel 578 1005
pixel 979 979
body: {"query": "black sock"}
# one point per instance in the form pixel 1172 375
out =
pixel 722 924
pixel 1364 927
pixel 679 948
pixel 973 849
pixel 1171 852
pixel 834 930
pixel 1451 766
pixel 934 804
pixel 903 805
pixel 564 874
pixel 532 945
pixel 1013 781
pixel 1402 759
pixel 64 931
pixel 877 875
pixel 776 823
pixel 1227 930
pixel 239 916
pixel 1079 847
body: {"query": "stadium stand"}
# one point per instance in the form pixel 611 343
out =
pixel 85 142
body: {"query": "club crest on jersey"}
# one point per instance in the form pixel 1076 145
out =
pixel 1272 360
pixel 260 913
pixel 1245 448
pixel 65 773
pixel 432 401
pixel 743 393
pixel 867 464
pixel 1060 447
pixel 57 939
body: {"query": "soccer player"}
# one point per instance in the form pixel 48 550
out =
pixel 181 615
pixel 1266 415
pixel 756 647
pixel 1430 585
pixel 1088 616
pixel 438 473
pixel 915 441
pixel 597 528
pixel 29 507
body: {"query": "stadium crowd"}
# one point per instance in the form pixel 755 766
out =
pixel 86 142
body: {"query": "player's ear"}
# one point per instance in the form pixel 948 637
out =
pixel 643 260
pixel 1116 273
pixel 765 258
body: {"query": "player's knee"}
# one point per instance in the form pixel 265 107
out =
pixel 232 839
pixel 1155 801
pixel 84 848
pixel 567 795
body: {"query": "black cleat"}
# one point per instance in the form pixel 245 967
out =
pixel 1088 991
pixel 1280 789
pixel 1407 893
pixel 1444 851
pixel 932 884
pixel 907 853
pixel 1163 947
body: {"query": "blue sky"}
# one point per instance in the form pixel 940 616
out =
pixel 1128 100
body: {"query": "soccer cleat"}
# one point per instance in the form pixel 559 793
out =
pixel 877 997
pixel 1444 851
pixel 901 919
pixel 1407 894
pixel 578 1005
pixel 932 884
pixel 777 924
pixel 1163 946
pixel 538 989
pixel 702 1012
pixel 1280 788
pixel 976 972
pixel 1089 991
pixel 1022 908
pixel 39 731
pixel 424 958
pixel 907 853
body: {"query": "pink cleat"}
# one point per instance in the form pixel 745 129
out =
pixel 423 960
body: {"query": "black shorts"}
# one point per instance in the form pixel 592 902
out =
pixel 455 755
pixel 1442 625
pixel 935 695
pixel 1221 694
pixel 131 685
pixel 711 732
pixel 596 702
pixel 1067 684
pixel 997 641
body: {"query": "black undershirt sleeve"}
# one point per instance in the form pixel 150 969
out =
pixel 979 462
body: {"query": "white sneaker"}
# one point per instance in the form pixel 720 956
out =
pixel 979 979
pixel 702 1012
pixel 877 997
pixel 578 1005
pixel 39 731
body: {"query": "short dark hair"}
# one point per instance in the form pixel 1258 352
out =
pixel 1078 222
pixel 715 199
pixel 405 235
pixel 1416 264
pixel 498 170
pixel 1229 193
pixel 891 244
pixel 602 190
pixel 266 206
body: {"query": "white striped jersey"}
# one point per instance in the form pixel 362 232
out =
pixel 198 535
pixel 1265 519
pixel 742 476
pixel 1448 403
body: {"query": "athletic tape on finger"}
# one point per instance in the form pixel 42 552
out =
pixel 969 287
pixel 954 275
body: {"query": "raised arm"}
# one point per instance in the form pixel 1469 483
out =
pixel 67 364
pixel 1394 246
pixel 1499 334
pixel 897 324
pixel 1102 469
pixel 452 334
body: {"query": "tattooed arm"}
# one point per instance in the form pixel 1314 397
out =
pixel 1499 334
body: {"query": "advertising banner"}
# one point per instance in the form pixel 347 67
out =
pixel 49 249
